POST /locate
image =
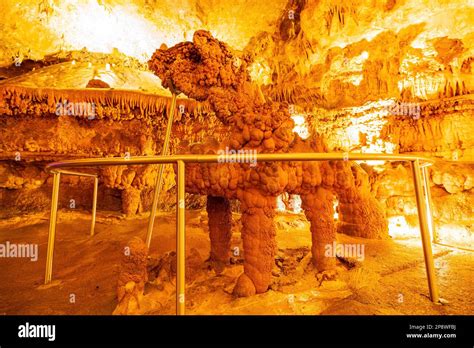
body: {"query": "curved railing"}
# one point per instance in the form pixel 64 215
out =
pixel 214 158
pixel 420 180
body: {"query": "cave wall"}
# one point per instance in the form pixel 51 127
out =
pixel 33 29
pixel 440 129
pixel 335 53
pixel 385 76
pixel 33 135
pixel 373 76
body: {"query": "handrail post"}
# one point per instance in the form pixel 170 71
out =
pixel 424 228
pixel 181 241
pixel 429 205
pixel 161 167
pixel 52 228
pixel 94 204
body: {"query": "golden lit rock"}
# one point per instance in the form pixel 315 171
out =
pixel 96 79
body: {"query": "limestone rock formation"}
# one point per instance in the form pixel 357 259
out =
pixel 96 83
pixel 220 223
pixel 335 53
pixel 391 76
pixel 207 70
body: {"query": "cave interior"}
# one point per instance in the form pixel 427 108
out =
pixel 89 79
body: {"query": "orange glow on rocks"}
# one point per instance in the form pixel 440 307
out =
pixel 86 79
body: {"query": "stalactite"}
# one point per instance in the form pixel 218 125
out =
pixel 113 104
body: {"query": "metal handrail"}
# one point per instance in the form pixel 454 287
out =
pixel 53 216
pixel 161 168
pixel 418 165
pixel 260 157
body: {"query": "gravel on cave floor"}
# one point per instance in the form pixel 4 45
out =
pixel 390 279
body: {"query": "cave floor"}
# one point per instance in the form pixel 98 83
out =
pixel 390 280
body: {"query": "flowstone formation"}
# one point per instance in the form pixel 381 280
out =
pixel 207 70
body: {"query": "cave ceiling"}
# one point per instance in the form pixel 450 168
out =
pixel 330 53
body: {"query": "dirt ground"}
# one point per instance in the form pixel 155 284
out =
pixel 390 279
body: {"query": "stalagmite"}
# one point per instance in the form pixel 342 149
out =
pixel 220 233
pixel 130 200
pixel 203 70
pixel 258 235
pixel 319 210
